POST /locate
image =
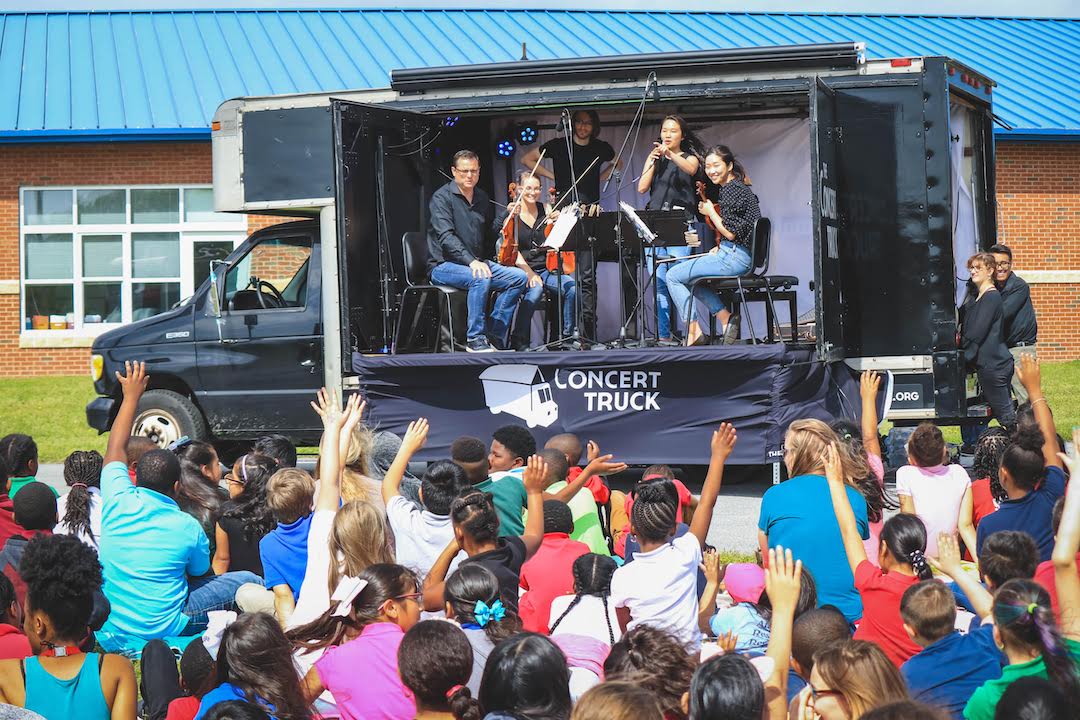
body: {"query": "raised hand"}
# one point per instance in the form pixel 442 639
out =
pixel 1072 463
pixel 723 441
pixel 1030 374
pixel 948 557
pixel 603 465
pixel 783 579
pixel 728 642
pixel 134 380
pixel 710 565
pixel 415 436
pixel 354 411
pixel 535 476
pixel 327 405
pixel 869 384
pixel 592 450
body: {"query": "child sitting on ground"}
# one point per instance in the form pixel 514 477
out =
pixel 13 643
pixel 422 535
pixel 472 601
pixel 622 505
pixel 245 517
pixel 435 660
pixel 20 454
pixel 587 526
pixel 363 629
pixel 476 531
pixel 588 611
pixel 938 493
pixel 744 583
pixel 951 665
pixel 902 561
pixel 548 574
pixel 569 445
pixel 660 587
pixel 284 550
pixel 79 509
pixel 814 630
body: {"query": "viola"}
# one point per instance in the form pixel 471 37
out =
pixel 508 248
pixel 708 220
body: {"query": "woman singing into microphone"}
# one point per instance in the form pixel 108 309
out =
pixel 733 215
pixel 669 179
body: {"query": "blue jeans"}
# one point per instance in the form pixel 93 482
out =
pixel 213 592
pixel 522 325
pixel 728 260
pixel 663 299
pixel 511 283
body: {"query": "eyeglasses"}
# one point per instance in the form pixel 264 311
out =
pixel 416 596
pixel 824 693
pixel 459 171
pixel 1004 264
pixel 232 479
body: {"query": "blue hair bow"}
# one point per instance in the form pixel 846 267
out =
pixel 485 614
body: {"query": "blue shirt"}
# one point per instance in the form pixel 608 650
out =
pixel 1031 514
pixel 749 627
pixel 798 514
pixel 223 693
pixel 149 547
pixel 947 672
pixel 284 555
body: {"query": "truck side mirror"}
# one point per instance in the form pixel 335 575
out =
pixel 218 268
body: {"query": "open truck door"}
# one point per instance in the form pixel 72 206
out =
pixel 825 137
pixel 385 176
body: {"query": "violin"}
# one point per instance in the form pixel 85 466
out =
pixel 508 248
pixel 708 220
pixel 569 263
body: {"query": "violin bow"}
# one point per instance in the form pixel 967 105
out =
pixel 569 189
pixel 517 201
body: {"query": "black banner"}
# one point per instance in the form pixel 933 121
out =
pixel 645 406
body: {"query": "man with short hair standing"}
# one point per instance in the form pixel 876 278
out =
pixel 1021 329
pixel 461 219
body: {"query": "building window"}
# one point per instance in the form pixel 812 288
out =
pixel 96 257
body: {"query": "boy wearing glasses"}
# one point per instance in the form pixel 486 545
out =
pixel 1021 329
pixel 461 217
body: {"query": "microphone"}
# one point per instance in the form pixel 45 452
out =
pixel 564 123
pixel 655 87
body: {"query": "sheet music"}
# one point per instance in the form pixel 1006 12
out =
pixel 560 231
pixel 642 229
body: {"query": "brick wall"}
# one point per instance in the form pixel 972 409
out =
pixel 1038 207
pixel 1039 219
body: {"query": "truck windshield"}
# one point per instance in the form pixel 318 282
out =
pixel 272 275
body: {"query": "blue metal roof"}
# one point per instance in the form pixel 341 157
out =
pixel 115 75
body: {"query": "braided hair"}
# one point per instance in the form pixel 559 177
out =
pixel 19 451
pixel 82 471
pixel 988 451
pixel 592 576
pixel 474 513
pixel 655 510
pixel 1024 618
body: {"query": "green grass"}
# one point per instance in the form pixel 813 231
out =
pixel 52 409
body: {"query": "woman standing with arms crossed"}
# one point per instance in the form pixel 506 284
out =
pixel 668 177
pixel 734 214
pixel 983 340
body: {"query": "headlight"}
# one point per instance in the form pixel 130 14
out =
pixel 97 364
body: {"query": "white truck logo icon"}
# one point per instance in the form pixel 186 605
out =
pixel 521 391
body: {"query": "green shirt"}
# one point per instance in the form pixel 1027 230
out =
pixel 587 528
pixel 984 701
pixel 510 500
pixel 18 483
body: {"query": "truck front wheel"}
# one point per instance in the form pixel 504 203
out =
pixel 165 416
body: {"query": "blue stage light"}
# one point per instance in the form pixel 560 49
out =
pixel 527 134
pixel 505 148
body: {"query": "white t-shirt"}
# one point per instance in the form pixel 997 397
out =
pixel 587 618
pixel 660 589
pixel 95 518
pixel 421 536
pixel 937 493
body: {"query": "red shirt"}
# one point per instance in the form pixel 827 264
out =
pixel 1044 575
pixel 185 708
pixel 595 484
pixel 881 623
pixel 13 644
pixel 982 501
pixel 8 527
pixel 545 576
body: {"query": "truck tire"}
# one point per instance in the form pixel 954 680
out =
pixel 165 416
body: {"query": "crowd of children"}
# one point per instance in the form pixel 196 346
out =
pixel 508 582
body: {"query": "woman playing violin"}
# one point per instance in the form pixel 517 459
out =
pixel 733 216
pixel 669 179
pixel 530 223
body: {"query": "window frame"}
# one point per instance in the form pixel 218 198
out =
pixel 234 230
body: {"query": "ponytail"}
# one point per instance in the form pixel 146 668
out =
pixel 473 592
pixel 463 706
pixel 82 471
pixel 1023 458
pixel 383 581
pixel 1024 617
pixel 904 535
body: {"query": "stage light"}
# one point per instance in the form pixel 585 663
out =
pixel 527 134
pixel 505 148
pixel 451 120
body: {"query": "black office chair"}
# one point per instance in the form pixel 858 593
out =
pixel 756 285
pixel 423 302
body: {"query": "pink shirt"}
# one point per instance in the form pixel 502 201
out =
pixel 362 675
pixel 877 471
pixel 937 493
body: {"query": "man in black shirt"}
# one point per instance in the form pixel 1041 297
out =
pixel 1021 329
pixel 461 215
pixel 586 148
